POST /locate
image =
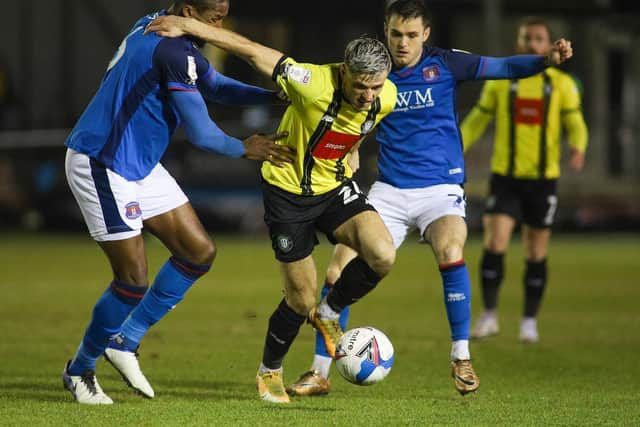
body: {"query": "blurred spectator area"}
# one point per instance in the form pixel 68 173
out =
pixel 55 54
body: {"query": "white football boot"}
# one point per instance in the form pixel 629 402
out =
pixel 529 330
pixel 486 326
pixel 85 387
pixel 126 363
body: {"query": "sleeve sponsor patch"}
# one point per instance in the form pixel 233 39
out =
pixel 297 74
pixel 192 70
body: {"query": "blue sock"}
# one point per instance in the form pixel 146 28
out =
pixel 457 298
pixel 110 311
pixel 321 349
pixel 172 282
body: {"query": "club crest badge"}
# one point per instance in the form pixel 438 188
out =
pixel 132 210
pixel 285 243
pixel 431 74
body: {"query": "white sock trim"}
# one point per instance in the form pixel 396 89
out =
pixel 322 364
pixel 263 369
pixel 326 312
pixel 460 350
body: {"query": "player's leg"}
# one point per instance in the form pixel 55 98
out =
pixel 441 220
pixel 390 205
pixel 352 221
pixel 192 254
pixel 169 216
pixel 284 325
pixel 536 233
pixel 368 236
pixel 536 241
pixel 315 381
pixel 105 199
pixel 498 222
pixel 293 241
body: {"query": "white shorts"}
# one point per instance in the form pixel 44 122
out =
pixel 403 210
pixel 113 207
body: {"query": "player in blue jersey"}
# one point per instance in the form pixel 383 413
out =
pixel 421 170
pixel 152 85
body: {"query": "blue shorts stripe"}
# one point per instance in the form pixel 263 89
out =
pixel 112 219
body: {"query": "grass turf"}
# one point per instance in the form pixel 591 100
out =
pixel 202 357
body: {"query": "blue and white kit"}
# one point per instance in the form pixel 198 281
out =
pixel 420 160
pixel 152 86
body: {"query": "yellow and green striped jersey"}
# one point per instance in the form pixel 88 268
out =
pixel 322 127
pixel 530 114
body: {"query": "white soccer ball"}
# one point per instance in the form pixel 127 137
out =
pixel 364 355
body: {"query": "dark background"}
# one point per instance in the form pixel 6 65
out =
pixel 54 54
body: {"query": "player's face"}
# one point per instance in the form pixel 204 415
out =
pixel 405 39
pixel 534 40
pixel 212 16
pixel 361 90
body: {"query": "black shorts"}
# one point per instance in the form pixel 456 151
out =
pixel 293 219
pixel 533 201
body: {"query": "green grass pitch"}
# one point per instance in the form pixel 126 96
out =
pixel 203 356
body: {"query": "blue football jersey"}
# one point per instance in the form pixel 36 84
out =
pixel 128 123
pixel 419 142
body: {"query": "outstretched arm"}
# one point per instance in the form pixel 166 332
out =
pixel 521 66
pixel 216 87
pixel 204 133
pixel 201 131
pixel 263 58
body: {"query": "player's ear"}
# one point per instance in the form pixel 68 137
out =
pixel 426 34
pixel 188 11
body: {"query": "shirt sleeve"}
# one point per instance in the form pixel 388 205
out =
pixel 302 83
pixel 572 117
pixel 510 67
pixel 216 87
pixel 201 130
pixel 463 65
pixel 180 64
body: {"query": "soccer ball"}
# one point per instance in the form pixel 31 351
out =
pixel 364 355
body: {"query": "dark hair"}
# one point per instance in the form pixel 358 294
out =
pixel 529 21
pixel 200 5
pixel 408 9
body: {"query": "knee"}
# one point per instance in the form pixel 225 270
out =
pixel 496 246
pixel 134 273
pixel 384 256
pixel 301 302
pixel 449 252
pixel 333 273
pixel 203 252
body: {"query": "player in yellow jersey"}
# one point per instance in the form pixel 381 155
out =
pixel 333 107
pixel 530 116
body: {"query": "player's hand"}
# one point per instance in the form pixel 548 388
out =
pixel 168 26
pixel 576 162
pixel 264 148
pixel 561 50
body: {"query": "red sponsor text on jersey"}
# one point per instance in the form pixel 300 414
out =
pixel 334 145
pixel 529 111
